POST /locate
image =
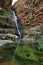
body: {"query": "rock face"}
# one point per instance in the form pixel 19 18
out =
pixel 7 25
pixel 6 4
pixel 6 21
pixel 30 13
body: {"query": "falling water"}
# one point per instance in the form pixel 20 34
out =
pixel 20 31
pixel 18 43
pixel 15 20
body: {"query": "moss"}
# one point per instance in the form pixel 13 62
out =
pixel 25 52
pixel 40 46
pixel 8 14
pixel 7 52
pixel 2 21
pixel 36 2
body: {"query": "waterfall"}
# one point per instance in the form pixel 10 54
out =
pixel 16 23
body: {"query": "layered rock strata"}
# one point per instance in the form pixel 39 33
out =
pixel 30 13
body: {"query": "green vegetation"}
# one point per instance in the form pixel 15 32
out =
pixel 7 52
pixel 36 2
pixel 40 46
pixel 2 21
pixel 26 52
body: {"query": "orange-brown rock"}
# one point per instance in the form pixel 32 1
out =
pixel 30 12
pixel 6 4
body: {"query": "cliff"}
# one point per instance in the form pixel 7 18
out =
pixel 30 13
pixel 7 25
pixel 6 4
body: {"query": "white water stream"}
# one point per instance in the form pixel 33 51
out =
pixel 15 21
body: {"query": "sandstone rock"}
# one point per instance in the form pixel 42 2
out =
pixel 8 36
pixel 6 4
pixel 7 25
pixel 2 42
pixel 30 13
